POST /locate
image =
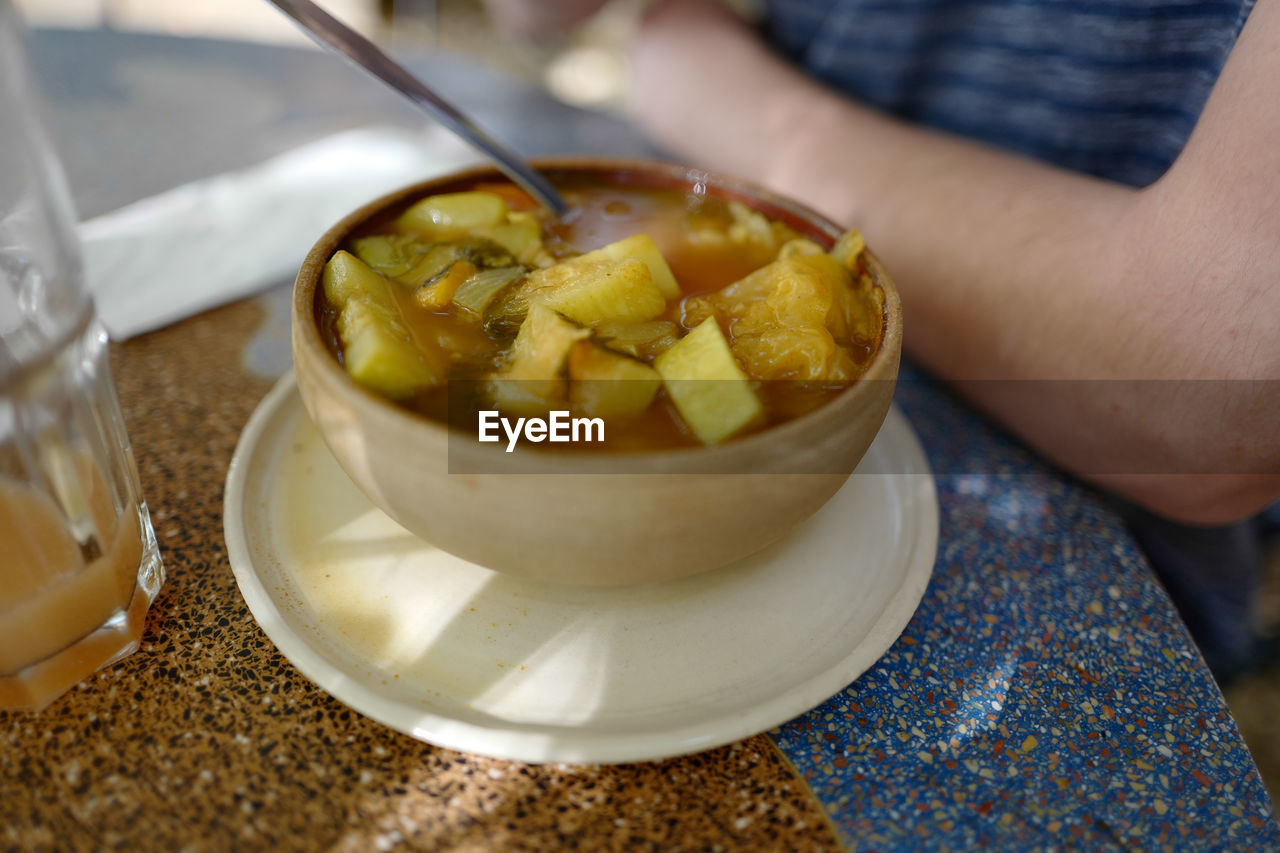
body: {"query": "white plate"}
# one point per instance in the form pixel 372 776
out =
pixel 462 657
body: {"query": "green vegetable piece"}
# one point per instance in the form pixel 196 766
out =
pixel 390 254
pixel 638 339
pixel 706 384
pixel 475 294
pixel 505 313
pixel 533 380
pixel 488 254
pixel 432 263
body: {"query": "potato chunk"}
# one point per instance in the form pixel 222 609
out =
pixel 450 215
pixel 607 385
pixel 379 354
pixel 709 389
pixel 346 277
pixel 520 234
pixel 596 290
pixel 642 248
pixel 378 350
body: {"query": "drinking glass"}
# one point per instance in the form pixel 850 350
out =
pixel 79 566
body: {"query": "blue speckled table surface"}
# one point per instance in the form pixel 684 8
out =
pixel 1045 695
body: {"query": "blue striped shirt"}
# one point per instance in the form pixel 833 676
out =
pixel 1107 87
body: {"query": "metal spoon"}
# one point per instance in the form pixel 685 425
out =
pixel 329 32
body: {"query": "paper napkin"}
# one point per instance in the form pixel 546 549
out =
pixel 199 245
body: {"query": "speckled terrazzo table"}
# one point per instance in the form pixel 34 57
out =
pixel 1044 696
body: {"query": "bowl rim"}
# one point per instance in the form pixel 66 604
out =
pixel 883 365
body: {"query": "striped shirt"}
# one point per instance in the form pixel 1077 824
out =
pixel 1107 87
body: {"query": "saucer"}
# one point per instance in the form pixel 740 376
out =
pixel 462 657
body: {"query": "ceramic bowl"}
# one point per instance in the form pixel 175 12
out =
pixel 591 518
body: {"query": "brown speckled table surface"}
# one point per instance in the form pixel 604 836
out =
pixel 207 739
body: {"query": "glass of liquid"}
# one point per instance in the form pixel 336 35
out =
pixel 79 566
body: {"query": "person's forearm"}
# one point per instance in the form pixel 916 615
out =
pixel 1008 269
pixel 971 233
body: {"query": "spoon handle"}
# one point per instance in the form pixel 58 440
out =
pixel 329 32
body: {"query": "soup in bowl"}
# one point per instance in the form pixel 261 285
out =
pixel 666 379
